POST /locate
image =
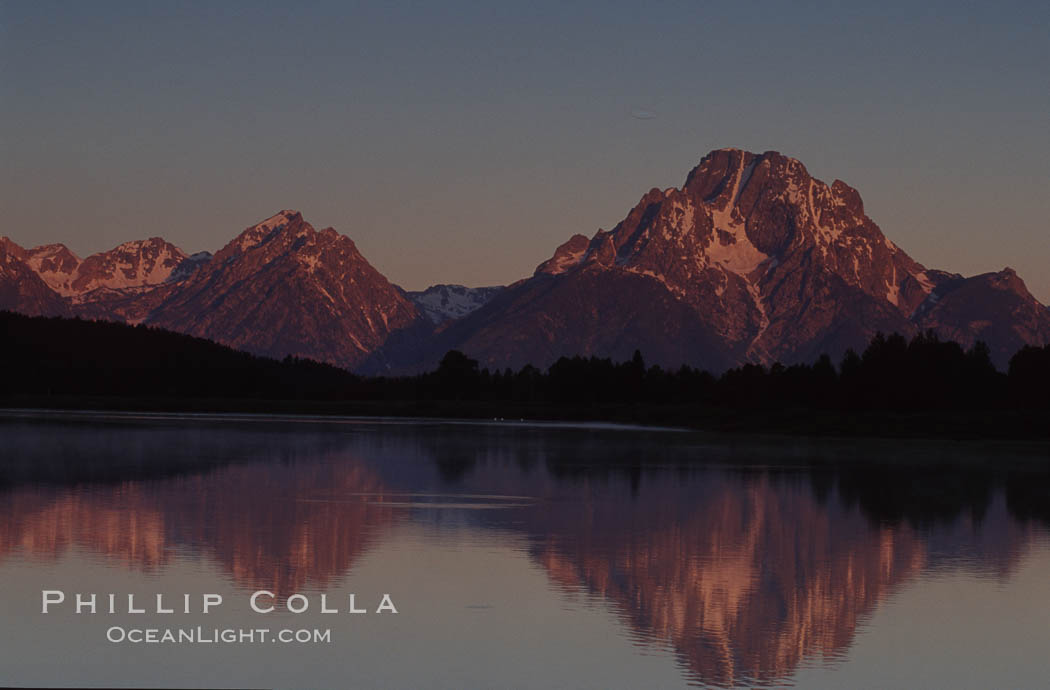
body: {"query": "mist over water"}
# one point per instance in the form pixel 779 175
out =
pixel 523 556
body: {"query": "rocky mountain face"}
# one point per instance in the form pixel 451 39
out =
pixel 137 264
pixel 752 259
pixel 279 288
pixel 55 264
pixel 188 266
pixel 127 282
pixel 22 289
pixel 993 307
pixel 110 284
pixel 283 288
pixel 442 303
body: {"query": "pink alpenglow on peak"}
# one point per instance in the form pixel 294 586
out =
pixel 750 260
pixel 283 288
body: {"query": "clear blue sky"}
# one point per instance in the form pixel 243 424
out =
pixel 462 142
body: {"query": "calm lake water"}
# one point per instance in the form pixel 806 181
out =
pixel 519 556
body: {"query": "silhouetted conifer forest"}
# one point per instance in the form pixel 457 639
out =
pixel 63 359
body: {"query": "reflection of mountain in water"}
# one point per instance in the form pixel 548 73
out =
pixel 44 523
pixel 278 529
pixel 745 574
pixel 744 581
pixel 289 514
pixel 748 573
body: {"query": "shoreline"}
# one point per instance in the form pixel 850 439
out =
pixel 120 414
pixel 1030 426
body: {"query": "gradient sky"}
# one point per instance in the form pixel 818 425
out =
pixel 462 142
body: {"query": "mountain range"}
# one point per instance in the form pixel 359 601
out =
pixel 750 260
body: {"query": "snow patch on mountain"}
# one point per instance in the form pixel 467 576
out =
pixel 129 265
pixel 56 265
pixel 441 303
pixel 893 294
pixel 925 282
pixel 731 249
pixel 257 233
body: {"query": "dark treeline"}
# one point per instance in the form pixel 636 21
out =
pixel 72 357
pixel 892 373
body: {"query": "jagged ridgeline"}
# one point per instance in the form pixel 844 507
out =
pixel 751 260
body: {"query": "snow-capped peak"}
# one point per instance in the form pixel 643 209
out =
pixel 255 234
pixel 441 303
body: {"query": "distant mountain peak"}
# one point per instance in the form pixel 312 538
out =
pixel 743 213
pixel 255 235
pixel 9 246
pixel 56 265
pixel 1006 279
pixel 133 264
pixel 442 303
pixel 55 249
pixel 751 259
pixel 280 218
pixel 565 256
pixel 22 289
pixel 281 287
pixel 134 245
